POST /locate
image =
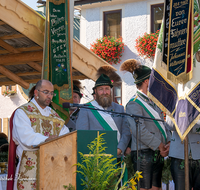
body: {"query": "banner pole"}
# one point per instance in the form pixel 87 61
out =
pixel 186 163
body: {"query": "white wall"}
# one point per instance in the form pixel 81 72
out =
pixel 135 22
pixel 9 104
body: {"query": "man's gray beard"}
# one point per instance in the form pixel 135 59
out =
pixel 104 101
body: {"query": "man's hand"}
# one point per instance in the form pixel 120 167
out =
pixel 164 149
pixel 51 137
pixel 127 151
pixel 119 151
pixel 161 147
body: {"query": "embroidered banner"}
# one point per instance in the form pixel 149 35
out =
pixel 57 53
pixel 178 41
pixel 181 101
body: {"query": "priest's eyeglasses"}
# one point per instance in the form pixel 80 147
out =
pixel 46 92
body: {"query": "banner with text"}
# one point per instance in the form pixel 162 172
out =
pixel 57 66
pixel 175 81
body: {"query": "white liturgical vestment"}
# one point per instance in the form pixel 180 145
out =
pixel 24 135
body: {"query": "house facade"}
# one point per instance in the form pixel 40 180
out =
pixel 127 18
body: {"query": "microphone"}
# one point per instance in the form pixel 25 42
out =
pixel 69 105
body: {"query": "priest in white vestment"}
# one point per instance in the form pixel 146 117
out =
pixel 34 123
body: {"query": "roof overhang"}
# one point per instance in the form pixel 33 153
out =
pixel 83 2
pixel 98 3
pixel 21 47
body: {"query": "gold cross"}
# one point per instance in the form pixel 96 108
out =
pixel 97 149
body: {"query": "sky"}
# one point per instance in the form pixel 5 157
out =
pixel 31 3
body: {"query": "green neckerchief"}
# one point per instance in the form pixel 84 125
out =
pixel 100 119
pixel 143 96
pixel 150 102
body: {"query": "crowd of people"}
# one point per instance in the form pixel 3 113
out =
pixel 36 122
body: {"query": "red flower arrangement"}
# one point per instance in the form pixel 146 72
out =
pixel 108 48
pixel 146 45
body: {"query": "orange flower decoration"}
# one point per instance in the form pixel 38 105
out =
pixel 108 48
pixel 146 45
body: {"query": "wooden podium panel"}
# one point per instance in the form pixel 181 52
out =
pixel 57 158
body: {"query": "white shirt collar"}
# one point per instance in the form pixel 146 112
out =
pixel 143 93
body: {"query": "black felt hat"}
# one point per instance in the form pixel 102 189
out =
pixel 103 80
pixel 77 90
pixel 107 76
pixel 139 72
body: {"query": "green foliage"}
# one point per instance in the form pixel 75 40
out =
pixel 129 165
pixel 70 187
pixel 160 39
pixel 99 170
pixel 166 173
pixel 131 183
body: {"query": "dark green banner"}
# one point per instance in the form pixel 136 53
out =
pixel 57 53
pixel 58 45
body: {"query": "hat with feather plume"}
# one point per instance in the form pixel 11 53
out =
pixel 76 87
pixel 107 77
pixel 140 72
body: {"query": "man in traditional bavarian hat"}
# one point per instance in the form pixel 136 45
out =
pixel 153 137
pixel 89 120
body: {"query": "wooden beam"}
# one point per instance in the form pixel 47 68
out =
pixel 23 19
pixel 36 66
pixel 13 83
pixel 14 77
pixel 79 77
pixel 21 57
pixel 24 74
pixel 2 23
pixel 34 48
pixel 8 47
pixel 14 36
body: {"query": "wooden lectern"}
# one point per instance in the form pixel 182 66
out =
pixel 57 158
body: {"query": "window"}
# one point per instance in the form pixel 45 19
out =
pixel 117 94
pixel 8 88
pixel 157 12
pixel 112 23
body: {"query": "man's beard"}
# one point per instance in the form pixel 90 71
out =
pixel 104 100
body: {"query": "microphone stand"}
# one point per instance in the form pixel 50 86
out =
pixel 120 113
pixel 136 118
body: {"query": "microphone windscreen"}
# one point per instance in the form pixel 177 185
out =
pixel 66 105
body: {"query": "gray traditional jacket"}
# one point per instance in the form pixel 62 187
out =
pixel 177 147
pixel 149 134
pixel 87 121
